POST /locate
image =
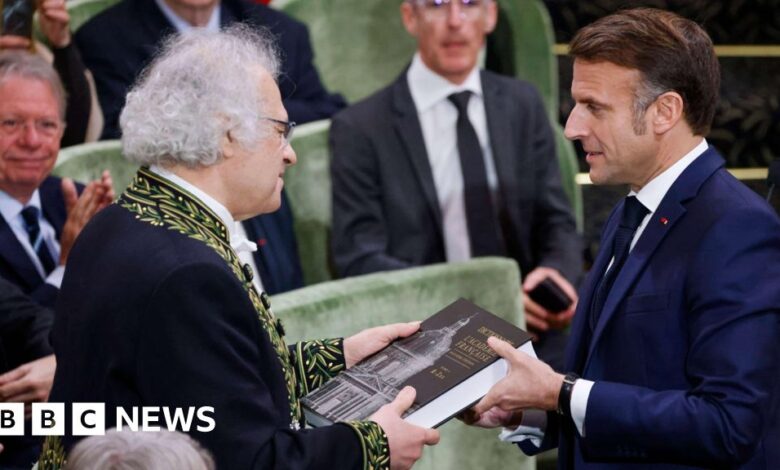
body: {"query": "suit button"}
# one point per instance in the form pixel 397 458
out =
pixel 266 302
pixel 248 273
pixel 280 327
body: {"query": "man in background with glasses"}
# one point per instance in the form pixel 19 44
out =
pixel 41 217
pixel 451 162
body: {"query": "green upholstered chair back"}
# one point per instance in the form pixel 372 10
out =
pixel 528 40
pixel 308 188
pixel 531 47
pixel 346 306
pixel 86 162
pixel 359 45
pixel 567 162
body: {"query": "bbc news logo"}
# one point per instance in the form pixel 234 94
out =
pixel 89 419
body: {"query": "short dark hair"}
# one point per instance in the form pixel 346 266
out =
pixel 670 52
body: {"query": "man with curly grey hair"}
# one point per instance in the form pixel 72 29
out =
pixel 176 321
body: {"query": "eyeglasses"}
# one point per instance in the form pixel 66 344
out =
pixel 47 128
pixel 440 9
pixel 287 133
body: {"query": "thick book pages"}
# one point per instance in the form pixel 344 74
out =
pixel 448 362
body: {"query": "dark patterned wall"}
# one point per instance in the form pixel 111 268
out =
pixel 747 124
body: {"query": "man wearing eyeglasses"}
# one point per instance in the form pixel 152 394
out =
pixel 450 162
pixel 41 217
pixel 178 322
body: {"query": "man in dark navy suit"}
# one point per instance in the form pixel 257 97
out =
pixel 673 357
pixel 41 214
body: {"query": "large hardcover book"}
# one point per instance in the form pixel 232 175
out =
pixel 447 361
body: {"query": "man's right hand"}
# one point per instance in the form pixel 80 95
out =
pixel 80 209
pixel 406 440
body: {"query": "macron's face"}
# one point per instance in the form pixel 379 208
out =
pixel 30 133
pixel 602 120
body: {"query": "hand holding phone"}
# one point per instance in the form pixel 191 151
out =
pixel 550 296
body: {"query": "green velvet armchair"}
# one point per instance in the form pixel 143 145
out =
pixel 344 307
pixel 86 162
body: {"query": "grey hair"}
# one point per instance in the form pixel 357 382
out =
pixel 128 450
pixel 202 85
pixel 645 94
pixel 31 66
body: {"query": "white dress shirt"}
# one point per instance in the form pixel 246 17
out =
pixel 12 213
pixel 650 196
pixel 236 233
pixel 438 119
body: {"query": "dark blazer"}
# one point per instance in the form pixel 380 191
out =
pixel 684 355
pixel 24 328
pixel 149 316
pixel 119 42
pixel 276 258
pixel 24 337
pixel 15 265
pixel 385 210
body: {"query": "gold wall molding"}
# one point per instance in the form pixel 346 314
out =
pixel 742 174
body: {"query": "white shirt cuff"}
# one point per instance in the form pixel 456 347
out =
pixel 579 403
pixel 55 277
pixel 531 427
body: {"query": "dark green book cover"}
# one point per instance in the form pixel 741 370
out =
pixel 448 362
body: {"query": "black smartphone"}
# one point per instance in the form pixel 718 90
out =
pixel 550 296
pixel 17 17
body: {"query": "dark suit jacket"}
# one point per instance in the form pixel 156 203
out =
pixel 119 42
pixel 385 210
pixel 15 265
pixel 276 257
pixel 149 316
pixel 24 337
pixel 24 328
pixel 684 355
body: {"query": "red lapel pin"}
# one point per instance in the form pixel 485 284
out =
pixel 664 220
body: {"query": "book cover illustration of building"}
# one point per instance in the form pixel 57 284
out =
pixel 449 347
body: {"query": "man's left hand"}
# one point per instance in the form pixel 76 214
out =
pixel 30 382
pixel 538 318
pixel 372 340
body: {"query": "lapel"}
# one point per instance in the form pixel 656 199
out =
pixel 407 126
pixel 500 132
pixel 576 348
pixel 155 24
pixel 12 252
pixel 53 203
pixel 672 208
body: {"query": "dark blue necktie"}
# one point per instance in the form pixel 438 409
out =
pixel 481 217
pixel 633 214
pixel 30 216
